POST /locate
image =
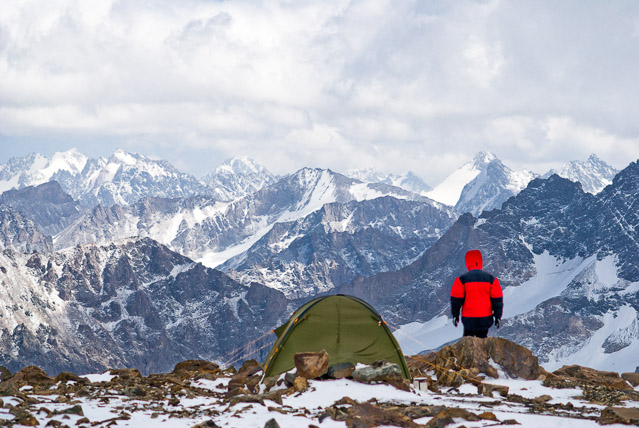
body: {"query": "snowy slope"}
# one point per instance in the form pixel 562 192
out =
pixel 449 190
pixel 132 303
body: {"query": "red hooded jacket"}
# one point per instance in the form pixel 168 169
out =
pixel 477 294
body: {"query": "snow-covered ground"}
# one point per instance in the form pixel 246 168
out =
pixel 304 409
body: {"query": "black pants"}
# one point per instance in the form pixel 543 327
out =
pixel 476 333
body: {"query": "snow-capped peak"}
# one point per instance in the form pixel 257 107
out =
pixel 483 158
pixel 237 177
pixel 122 157
pixel 367 175
pixel 408 181
pixel 71 161
pixel 594 174
pixel 449 190
pixel 480 184
pixel 240 165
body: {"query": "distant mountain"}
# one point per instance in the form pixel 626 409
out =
pixel 481 184
pixel 123 178
pixel 47 205
pixel 339 241
pixel 213 232
pixel 35 169
pixel 567 262
pixel 408 181
pixel 236 178
pixel 130 304
pixel 593 174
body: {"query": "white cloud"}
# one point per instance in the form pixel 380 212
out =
pixel 342 84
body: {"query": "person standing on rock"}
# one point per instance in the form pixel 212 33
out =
pixel 479 297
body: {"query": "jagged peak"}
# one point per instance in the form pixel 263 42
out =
pixel 241 165
pixel 483 158
pixel 124 157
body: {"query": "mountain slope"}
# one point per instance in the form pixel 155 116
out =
pixel 567 262
pixel 20 234
pixel 47 205
pixel 132 304
pixel 338 242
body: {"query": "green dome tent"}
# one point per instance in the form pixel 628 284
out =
pixel 348 328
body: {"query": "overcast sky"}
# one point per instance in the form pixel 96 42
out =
pixel 398 85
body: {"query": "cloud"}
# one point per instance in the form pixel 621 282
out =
pixel 341 84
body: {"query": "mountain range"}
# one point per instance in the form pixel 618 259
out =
pixel 565 258
pixel 107 249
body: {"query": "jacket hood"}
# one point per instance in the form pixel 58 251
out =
pixel 473 260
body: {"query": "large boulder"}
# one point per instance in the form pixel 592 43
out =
pixel 473 355
pixel 311 365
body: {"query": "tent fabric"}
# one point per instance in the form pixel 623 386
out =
pixel 348 328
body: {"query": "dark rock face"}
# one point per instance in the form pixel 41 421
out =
pixel 47 205
pixel 135 304
pixel 21 234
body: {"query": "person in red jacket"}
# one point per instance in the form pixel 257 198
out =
pixel 479 297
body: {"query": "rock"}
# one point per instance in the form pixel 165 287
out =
pixel 23 417
pixel 487 389
pixel 71 377
pixel 5 373
pixel 270 382
pixel 271 423
pixel 619 415
pixel 206 424
pixel 364 415
pixel 248 378
pixel 32 375
pixel 340 371
pixel 382 373
pixel 300 384
pixel 542 399
pixel 632 378
pixel 311 365
pixel 127 374
pixel 289 378
pixel 473 353
pixel 75 410
pixel 447 416
pixel 579 375
pixel 197 369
